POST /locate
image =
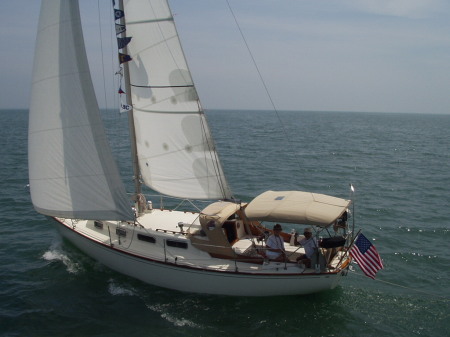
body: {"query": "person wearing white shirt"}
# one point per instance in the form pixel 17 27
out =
pixel 275 245
pixel 309 243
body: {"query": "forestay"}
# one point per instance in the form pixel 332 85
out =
pixel 71 169
pixel 176 153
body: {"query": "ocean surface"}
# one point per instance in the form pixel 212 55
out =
pixel 398 163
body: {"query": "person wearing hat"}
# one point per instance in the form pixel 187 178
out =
pixel 275 245
pixel 309 243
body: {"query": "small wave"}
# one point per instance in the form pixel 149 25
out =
pixel 406 256
pixel 115 289
pixel 179 322
pixel 55 255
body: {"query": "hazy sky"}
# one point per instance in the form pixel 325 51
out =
pixel 333 55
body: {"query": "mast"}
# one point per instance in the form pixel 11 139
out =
pixel 134 157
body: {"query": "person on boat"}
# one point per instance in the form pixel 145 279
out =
pixel 275 245
pixel 309 243
pixel 341 223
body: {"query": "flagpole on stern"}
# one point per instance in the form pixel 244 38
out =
pixel 347 252
pixel 134 157
pixel 352 189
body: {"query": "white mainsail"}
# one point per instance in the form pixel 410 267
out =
pixel 175 150
pixel 71 169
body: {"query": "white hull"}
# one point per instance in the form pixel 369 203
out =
pixel 214 276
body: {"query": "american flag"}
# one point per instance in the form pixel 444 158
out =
pixel 366 256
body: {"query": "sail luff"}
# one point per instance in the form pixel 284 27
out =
pixel 175 148
pixel 71 168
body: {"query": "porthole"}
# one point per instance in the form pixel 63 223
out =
pixel 177 244
pixel 146 238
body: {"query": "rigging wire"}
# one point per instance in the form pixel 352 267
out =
pixel 445 298
pixel 261 77
pixel 102 54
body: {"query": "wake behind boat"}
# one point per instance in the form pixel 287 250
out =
pixel 220 249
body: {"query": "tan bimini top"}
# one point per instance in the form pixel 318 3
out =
pixel 219 212
pixel 296 207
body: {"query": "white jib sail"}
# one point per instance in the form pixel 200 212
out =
pixel 71 169
pixel 176 153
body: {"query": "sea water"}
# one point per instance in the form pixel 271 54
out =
pixel 398 163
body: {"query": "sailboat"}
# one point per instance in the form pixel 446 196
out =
pixel 74 179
